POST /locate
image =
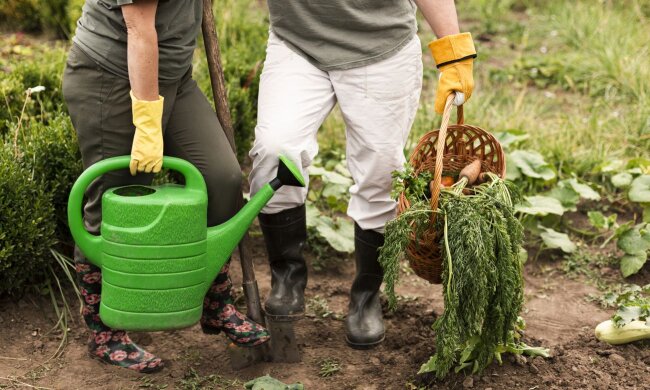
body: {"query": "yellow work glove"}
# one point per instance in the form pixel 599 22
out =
pixel 147 149
pixel 454 56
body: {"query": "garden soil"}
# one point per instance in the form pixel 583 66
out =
pixel 557 313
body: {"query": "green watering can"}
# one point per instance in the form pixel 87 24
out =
pixel 157 255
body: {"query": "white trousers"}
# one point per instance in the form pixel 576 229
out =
pixel 378 102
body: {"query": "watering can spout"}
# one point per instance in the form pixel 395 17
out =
pixel 223 239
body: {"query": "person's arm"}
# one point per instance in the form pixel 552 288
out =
pixel 441 16
pixel 147 105
pixel 453 52
pixel 142 48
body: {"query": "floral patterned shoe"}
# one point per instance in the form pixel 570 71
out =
pixel 117 349
pixel 220 315
pixel 108 345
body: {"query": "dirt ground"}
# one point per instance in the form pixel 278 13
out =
pixel 557 314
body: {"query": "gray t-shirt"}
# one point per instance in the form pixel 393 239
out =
pixel 343 34
pixel 101 34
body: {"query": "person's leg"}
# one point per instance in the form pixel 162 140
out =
pixel 194 134
pixel 295 97
pixel 379 103
pixel 100 110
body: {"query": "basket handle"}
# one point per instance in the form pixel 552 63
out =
pixel 434 186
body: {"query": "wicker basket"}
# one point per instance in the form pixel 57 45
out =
pixel 461 144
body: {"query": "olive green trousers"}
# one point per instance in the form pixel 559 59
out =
pixel 100 108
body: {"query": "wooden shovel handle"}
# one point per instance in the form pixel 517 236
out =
pixel 219 92
pixel 220 95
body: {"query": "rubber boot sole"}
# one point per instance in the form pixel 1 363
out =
pixel 364 346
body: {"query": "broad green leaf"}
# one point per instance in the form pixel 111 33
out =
pixel 639 162
pixel 556 240
pixel 597 219
pixel 523 255
pixel 336 190
pixel 336 178
pixel 569 192
pixel 313 214
pixel 461 366
pixel 640 189
pixel 429 366
pixel 626 314
pixel 635 240
pixel 330 177
pixel 583 190
pixel 540 205
pixel 511 137
pixel 342 169
pixel 316 171
pixel 339 234
pixel 512 172
pixel 631 263
pixel 622 229
pixel 535 351
pixel 611 166
pixel 531 164
pixel 622 180
pixel 566 195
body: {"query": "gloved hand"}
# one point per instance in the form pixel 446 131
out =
pixel 147 148
pixel 454 56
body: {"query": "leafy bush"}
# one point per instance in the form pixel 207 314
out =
pixel 35 16
pixel 26 227
pixel 36 65
pixel 51 153
pixel 20 14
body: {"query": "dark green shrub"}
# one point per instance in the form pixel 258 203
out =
pixel 51 153
pixel 35 16
pixel 26 225
pixel 44 66
pixel 20 14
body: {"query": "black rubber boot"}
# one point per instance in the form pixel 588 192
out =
pixel 285 234
pixel 364 324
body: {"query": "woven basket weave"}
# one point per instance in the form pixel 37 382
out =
pixel 460 144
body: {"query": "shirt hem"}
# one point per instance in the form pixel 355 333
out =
pixel 351 64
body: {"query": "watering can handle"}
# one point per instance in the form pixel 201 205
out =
pixel 89 244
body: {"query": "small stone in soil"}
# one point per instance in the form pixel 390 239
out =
pixel 617 358
pixel 520 360
pixel 574 369
pixel 387 359
pixel 468 383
